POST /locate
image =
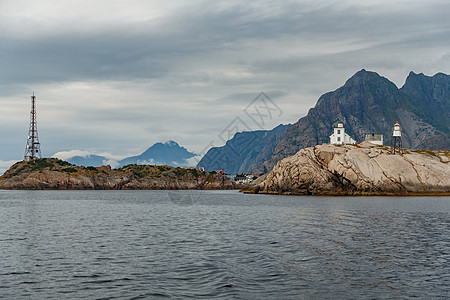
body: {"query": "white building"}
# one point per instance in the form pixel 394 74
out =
pixel 376 139
pixel 397 131
pixel 339 137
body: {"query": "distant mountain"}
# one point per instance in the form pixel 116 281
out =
pixel 245 151
pixel 89 160
pixel 369 103
pixel 168 153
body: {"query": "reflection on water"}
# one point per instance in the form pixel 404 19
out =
pixel 221 244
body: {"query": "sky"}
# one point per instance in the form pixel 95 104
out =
pixel 114 77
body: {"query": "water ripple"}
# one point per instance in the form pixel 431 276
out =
pixel 141 245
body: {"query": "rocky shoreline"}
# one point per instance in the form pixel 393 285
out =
pixel 55 174
pixel 362 169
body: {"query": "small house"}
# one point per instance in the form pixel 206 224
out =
pixel 376 139
pixel 339 137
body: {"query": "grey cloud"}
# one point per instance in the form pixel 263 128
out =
pixel 292 50
pixel 76 58
pixel 142 51
pixel 244 99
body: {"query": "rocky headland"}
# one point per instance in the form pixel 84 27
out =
pixel 367 103
pixel 52 173
pixel 360 169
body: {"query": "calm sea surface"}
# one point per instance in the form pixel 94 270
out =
pixel 221 244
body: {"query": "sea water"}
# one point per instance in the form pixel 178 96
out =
pixel 221 244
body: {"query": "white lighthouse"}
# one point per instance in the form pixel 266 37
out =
pixel 339 137
pixel 397 130
pixel 396 140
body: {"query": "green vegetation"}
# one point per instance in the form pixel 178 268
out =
pixel 40 164
pixel 427 152
pixel 69 170
pixel 196 173
pixel 142 171
pixel 384 147
pixel 164 168
pixel 180 171
pixel 435 153
pixel 12 174
pixel 139 171
pixel 50 163
pixel 63 163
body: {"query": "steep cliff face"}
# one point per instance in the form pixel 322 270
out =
pixel 430 101
pixel 358 170
pixel 245 151
pixel 369 103
pixel 56 174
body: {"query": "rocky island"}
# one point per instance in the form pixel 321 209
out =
pixel 52 173
pixel 359 169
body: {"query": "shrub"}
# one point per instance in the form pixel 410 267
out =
pixel 40 164
pixel 64 163
pixel 69 170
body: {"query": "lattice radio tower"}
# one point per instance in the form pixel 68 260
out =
pixel 33 149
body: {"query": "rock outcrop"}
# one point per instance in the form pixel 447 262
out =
pixel 363 169
pixel 52 173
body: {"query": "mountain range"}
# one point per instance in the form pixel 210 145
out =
pixel 245 151
pixel 169 153
pixel 367 103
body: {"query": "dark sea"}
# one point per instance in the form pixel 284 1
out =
pixel 221 245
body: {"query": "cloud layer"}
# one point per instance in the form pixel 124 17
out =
pixel 117 77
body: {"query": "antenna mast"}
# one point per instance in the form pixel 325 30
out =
pixel 33 149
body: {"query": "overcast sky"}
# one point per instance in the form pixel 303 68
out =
pixel 117 76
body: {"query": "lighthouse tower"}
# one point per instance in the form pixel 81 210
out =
pixel 396 141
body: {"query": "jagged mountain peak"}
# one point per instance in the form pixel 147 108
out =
pixel 412 73
pixel 363 91
pixel 365 78
pixel 413 78
pixel 171 143
pixel 169 146
pixel 170 153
